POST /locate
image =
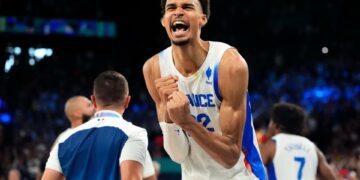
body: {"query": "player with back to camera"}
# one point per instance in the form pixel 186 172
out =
pixel 288 155
pixel 105 147
pixel 79 109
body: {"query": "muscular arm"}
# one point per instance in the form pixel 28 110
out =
pixel 175 141
pixel 233 82
pixel 325 170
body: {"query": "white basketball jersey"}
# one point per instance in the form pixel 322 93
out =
pixel 295 158
pixel 203 92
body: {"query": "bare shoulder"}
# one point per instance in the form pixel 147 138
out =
pixel 233 62
pixel 151 72
pixel 233 75
pixel 151 65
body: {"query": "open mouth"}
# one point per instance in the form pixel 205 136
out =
pixel 179 26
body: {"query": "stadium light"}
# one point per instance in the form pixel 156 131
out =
pixel 325 50
pixel 9 63
pixel 17 51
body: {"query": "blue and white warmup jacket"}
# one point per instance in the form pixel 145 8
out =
pixel 95 149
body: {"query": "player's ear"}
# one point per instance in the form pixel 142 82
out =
pixel 93 101
pixel 162 22
pixel 127 102
pixel 203 20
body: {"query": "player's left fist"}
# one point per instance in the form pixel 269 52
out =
pixel 178 107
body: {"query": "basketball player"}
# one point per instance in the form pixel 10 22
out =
pixel 288 155
pixel 200 91
pixel 107 146
pixel 79 109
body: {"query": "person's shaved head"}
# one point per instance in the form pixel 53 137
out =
pixel 78 109
pixel 14 174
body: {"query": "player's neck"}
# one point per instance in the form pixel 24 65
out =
pixel 117 109
pixel 189 58
pixel 76 123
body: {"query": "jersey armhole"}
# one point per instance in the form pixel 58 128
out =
pixel 216 81
pixel 216 74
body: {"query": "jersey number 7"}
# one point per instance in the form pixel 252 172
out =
pixel 301 160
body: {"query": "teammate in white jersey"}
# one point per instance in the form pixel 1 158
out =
pixel 288 155
pixel 79 109
pixel 200 91
pixel 105 147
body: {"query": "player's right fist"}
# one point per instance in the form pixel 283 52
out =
pixel 165 86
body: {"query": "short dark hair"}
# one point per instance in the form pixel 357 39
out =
pixel 110 88
pixel 289 118
pixel 205 6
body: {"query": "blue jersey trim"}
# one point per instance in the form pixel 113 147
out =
pixel 252 155
pixel 216 81
pixel 271 171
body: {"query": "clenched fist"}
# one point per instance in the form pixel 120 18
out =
pixel 178 108
pixel 165 86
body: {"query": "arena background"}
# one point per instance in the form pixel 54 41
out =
pixel 306 52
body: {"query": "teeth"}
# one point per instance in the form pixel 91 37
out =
pixel 178 22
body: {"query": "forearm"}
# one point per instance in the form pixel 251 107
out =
pixel 221 148
pixel 162 113
pixel 175 141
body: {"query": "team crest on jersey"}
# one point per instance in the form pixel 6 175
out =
pixel 208 75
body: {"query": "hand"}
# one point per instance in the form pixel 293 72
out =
pixel 165 86
pixel 178 108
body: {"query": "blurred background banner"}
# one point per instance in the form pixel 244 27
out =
pixel 64 27
pixel 304 52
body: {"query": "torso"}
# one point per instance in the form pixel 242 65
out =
pixel 203 92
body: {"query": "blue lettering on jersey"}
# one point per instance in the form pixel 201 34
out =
pixel 204 120
pixel 296 147
pixel 201 100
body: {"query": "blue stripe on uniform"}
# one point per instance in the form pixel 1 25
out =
pixel 92 153
pixel 216 81
pixel 271 171
pixel 252 154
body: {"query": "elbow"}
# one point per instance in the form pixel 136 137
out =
pixel 230 164
pixel 231 161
